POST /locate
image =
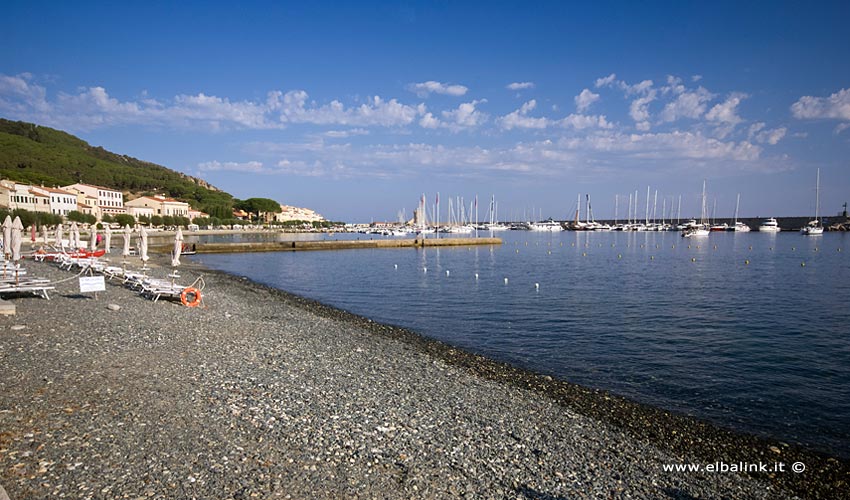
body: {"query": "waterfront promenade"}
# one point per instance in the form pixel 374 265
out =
pixel 262 394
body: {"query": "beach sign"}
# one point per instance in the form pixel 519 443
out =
pixel 92 284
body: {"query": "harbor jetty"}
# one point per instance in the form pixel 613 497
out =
pixel 301 245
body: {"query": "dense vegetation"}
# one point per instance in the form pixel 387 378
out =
pixel 33 154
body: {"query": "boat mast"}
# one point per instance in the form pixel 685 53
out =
pixel 737 205
pixel 616 206
pixel 702 213
pixel 646 214
pixel 817 197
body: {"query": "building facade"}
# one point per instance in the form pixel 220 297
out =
pixel 109 201
pixel 160 205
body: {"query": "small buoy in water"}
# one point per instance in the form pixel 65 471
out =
pixel 517 250
pixel 641 245
pixel 715 247
pixel 550 252
pixel 619 256
pixel 612 245
pixel 526 243
pixel 674 246
pixel 839 249
pixel 746 262
pixel 562 243
pixel 425 269
pixel 506 281
pixel 751 247
pixel 476 275
pixel 447 272
pixel 395 266
pixel 584 254
pixel 651 257
pixel 693 259
pixel 572 244
pixel 802 264
pixel 769 248
pixel 816 249
pixel 793 249
pixel 689 246
pixel 537 286
pixel 656 246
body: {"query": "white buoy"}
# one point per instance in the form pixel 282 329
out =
pixel 506 281
pixel 395 266
pixel 537 286
pixel 476 275
pixel 425 269
pixel 447 272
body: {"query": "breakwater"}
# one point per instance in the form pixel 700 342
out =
pixel 285 246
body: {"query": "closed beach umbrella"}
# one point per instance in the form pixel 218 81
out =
pixel 126 252
pixel 44 236
pixel 17 227
pixel 77 239
pixel 7 236
pixel 107 237
pixel 93 240
pixel 143 244
pixel 178 247
pixel 73 236
pixel 32 233
pixel 59 242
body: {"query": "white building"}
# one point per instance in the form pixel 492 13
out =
pixel 288 213
pixel 60 202
pixel 16 196
pixel 161 206
pixel 109 201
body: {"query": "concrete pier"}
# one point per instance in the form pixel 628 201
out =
pixel 292 246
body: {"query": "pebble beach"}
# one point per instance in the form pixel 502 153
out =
pixel 262 394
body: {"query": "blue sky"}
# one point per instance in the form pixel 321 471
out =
pixel 357 109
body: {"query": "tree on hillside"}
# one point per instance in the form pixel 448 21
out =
pixel 257 206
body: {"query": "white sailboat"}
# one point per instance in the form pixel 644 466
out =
pixel 739 227
pixel 700 229
pixel 814 227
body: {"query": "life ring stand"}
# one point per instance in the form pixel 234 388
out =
pixel 196 297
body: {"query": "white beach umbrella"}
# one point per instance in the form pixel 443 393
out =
pixel 44 235
pixel 77 240
pixel 126 251
pixel 17 227
pixel 93 240
pixel 143 245
pixel 7 236
pixel 73 236
pixel 178 247
pixel 60 244
pixel 107 237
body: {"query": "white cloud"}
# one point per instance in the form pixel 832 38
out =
pixel 585 99
pixel 424 89
pixel 342 134
pixel 580 122
pixel 606 81
pixel 465 116
pixel 639 108
pixel 429 121
pixel 231 166
pixel 520 118
pixel 520 86
pixel 687 104
pixel 696 78
pixel 836 106
pixel 727 111
pixel 841 127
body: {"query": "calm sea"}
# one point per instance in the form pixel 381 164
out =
pixel 750 331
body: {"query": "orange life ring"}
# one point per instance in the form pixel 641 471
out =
pixel 196 297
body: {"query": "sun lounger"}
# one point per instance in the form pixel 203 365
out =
pixel 33 288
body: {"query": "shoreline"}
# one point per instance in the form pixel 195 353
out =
pixel 557 404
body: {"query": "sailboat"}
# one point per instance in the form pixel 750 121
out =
pixel 739 227
pixel 700 229
pixel 814 227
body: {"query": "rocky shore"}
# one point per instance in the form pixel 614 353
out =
pixel 261 394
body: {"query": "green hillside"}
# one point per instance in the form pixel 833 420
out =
pixel 33 154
